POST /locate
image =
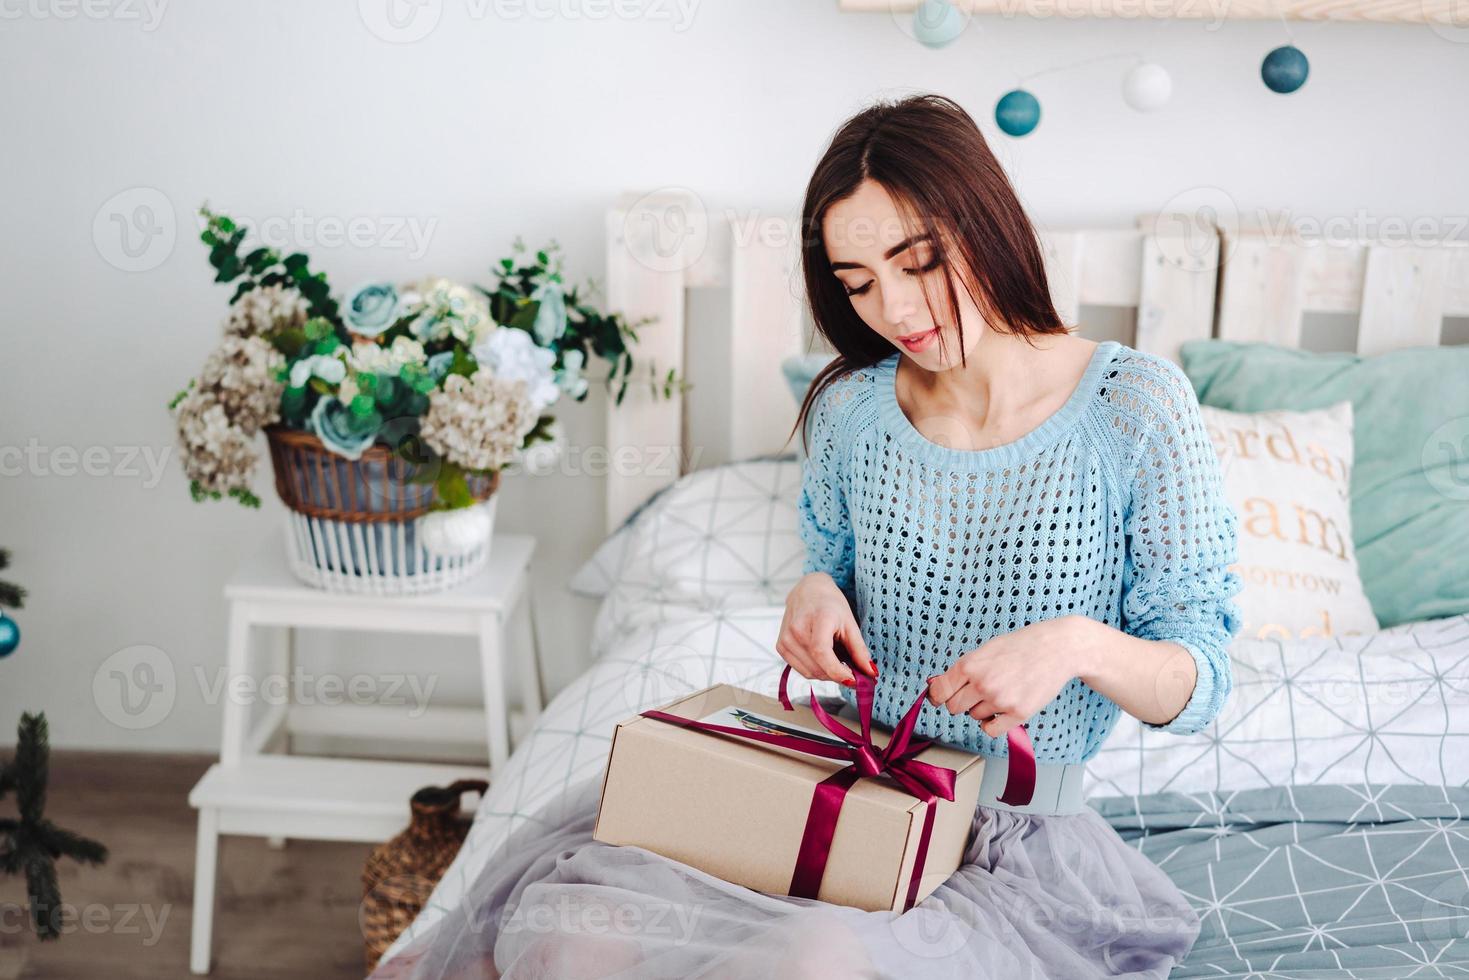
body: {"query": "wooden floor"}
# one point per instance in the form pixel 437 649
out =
pixel 281 914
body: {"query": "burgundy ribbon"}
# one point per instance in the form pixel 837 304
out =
pixel 922 780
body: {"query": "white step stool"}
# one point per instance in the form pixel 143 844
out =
pixel 312 798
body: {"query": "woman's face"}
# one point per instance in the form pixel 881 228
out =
pixel 886 267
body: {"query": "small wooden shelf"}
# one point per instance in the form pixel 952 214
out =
pixel 1436 12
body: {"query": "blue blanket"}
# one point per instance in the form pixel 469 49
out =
pixel 1367 882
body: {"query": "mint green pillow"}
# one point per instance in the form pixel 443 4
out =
pixel 1410 484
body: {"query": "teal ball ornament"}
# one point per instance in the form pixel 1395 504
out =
pixel 1284 70
pixel 9 635
pixel 937 23
pixel 1017 113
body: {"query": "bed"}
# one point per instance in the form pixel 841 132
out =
pixel 1317 827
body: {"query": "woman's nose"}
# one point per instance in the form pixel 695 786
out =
pixel 900 300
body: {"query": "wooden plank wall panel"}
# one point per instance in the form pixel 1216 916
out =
pixel 646 270
pixel 765 309
pixel 1179 271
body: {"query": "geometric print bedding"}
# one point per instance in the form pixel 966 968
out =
pixel 693 594
pixel 1313 882
pixel 1390 707
pixel 1284 729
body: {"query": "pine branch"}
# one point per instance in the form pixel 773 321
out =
pixel 11 595
pixel 44 894
pixel 32 767
pixel 65 843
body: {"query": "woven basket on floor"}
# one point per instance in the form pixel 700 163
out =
pixel 401 874
pixel 352 525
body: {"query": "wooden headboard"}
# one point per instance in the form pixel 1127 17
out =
pixel 725 289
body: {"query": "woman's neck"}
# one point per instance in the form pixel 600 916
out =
pixel 1007 388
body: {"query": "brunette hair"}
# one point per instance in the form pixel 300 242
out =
pixel 931 158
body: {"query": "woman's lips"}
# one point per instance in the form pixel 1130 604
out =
pixel 919 342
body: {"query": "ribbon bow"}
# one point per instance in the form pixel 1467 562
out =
pixel 922 780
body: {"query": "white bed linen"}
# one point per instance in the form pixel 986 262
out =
pixel 694 588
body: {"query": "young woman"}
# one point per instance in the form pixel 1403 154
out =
pixel 1024 526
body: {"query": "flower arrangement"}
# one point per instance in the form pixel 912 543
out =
pixel 456 379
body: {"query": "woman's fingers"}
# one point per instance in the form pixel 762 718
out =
pixel 1000 724
pixel 852 637
pixel 796 656
pixel 962 700
pixel 827 662
pixel 944 686
pixel 813 656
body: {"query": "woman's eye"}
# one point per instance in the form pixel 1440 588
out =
pixel 859 290
pixel 928 266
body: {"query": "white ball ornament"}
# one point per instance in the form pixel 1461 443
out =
pixel 1147 86
pixel 937 23
pixel 454 533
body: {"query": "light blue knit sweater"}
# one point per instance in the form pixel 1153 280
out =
pixel 1112 508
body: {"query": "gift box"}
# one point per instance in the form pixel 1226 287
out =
pixel 789 799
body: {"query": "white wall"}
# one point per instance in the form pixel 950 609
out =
pixel 491 126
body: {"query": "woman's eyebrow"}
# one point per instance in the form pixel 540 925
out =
pixel 904 244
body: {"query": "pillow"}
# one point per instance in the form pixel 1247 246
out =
pixel 722 537
pixel 1388 707
pixel 1410 491
pixel 800 370
pixel 1287 475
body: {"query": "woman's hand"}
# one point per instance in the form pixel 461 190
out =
pixel 1009 678
pixel 817 617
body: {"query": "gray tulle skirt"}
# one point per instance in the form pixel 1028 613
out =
pixel 1042 897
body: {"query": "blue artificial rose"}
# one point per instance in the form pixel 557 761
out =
pixel 550 315
pixel 331 421
pixel 372 309
pixel 439 364
pixel 569 376
pixel 324 366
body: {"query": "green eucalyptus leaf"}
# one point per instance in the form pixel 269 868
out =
pixel 453 490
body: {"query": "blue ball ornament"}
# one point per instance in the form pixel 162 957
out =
pixel 937 23
pixel 1017 113
pixel 1285 69
pixel 9 635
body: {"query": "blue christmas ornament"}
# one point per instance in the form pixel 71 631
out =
pixel 1284 70
pixel 9 635
pixel 1018 112
pixel 937 23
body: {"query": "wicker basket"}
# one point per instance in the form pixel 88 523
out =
pixel 352 525
pixel 400 875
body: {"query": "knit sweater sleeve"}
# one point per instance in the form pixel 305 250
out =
pixel 1181 536
pixel 824 522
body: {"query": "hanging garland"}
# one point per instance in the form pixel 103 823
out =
pixel 1146 86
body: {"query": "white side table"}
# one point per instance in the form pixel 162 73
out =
pixel 252 793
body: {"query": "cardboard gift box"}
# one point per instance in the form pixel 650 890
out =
pixel 761 814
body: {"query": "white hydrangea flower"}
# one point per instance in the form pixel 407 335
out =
pixel 478 422
pixel 452 309
pixel 374 359
pixel 266 308
pixel 217 453
pixel 240 377
pixel 514 355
